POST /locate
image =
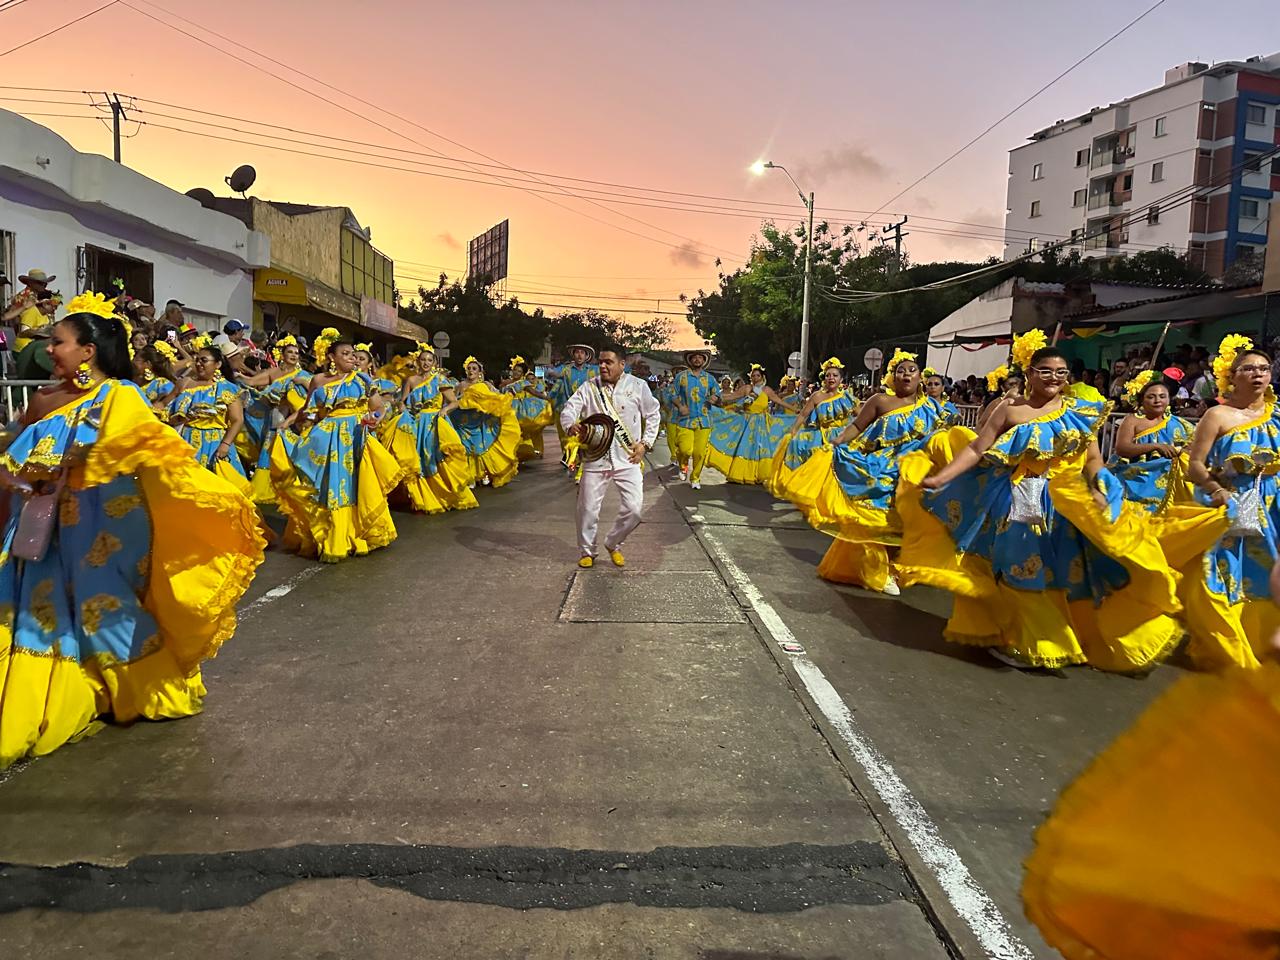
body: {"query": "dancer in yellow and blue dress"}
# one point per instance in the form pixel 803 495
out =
pixel 695 390
pixel 207 413
pixel 1031 533
pixel 1150 458
pixel 1233 460
pixel 147 555
pixel 744 434
pixel 153 372
pixel 847 488
pixel 283 390
pixel 532 406
pixel 487 425
pixel 935 389
pixel 566 378
pixel 822 418
pixel 332 481
pixel 437 469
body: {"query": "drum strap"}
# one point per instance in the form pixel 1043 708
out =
pixel 606 400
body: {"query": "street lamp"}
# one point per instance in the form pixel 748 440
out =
pixel 758 168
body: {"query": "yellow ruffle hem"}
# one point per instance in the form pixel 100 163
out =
pixel 447 488
pixel 817 493
pixel 1129 630
pixel 1166 847
pixel 331 535
pixel 205 548
pixel 499 462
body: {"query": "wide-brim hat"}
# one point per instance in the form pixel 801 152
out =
pixel 36 276
pixel 583 346
pixel 597 435
pixel 706 354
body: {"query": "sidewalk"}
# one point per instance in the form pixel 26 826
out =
pixel 404 748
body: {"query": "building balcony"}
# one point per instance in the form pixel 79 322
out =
pixel 1110 201
pixel 1116 157
pixel 1110 241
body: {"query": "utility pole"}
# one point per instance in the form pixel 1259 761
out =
pixel 808 276
pixel 896 230
pixel 117 114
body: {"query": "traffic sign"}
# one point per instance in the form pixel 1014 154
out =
pixel 873 359
pixel 443 353
pixel 441 340
pixel 794 359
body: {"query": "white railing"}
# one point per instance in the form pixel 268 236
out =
pixel 13 395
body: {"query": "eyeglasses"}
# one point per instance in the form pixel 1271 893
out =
pixel 1254 368
pixel 1051 373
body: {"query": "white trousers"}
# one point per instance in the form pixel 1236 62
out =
pixel 629 480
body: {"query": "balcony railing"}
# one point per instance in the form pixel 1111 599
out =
pixel 1109 158
pixel 1107 241
pixel 1115 199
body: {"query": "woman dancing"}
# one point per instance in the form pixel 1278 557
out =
pixel 822 418
pixel 207 413
pixel 488 427
pixel 133 582
pixel 744 435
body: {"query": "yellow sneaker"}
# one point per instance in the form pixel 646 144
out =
pixel 586 563
pixel 618 559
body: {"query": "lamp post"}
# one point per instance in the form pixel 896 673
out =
pixel 759 168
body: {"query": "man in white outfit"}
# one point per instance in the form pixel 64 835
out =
pixel 629 402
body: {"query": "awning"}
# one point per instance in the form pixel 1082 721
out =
pixel 276 286
pixel 1176 310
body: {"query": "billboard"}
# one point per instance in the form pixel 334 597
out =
pixel 487 254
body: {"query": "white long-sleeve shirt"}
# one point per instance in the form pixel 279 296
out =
pixel 637 409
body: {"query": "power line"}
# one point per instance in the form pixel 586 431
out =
pixel 59 29
pixel 925 176
pixel 10 4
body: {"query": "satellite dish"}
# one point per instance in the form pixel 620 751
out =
pixel 204 197
pixel 242 179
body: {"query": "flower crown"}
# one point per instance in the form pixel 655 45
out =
pixel 995 376
pixel 899 355
pixel 754 367
pixel 1025 346
pixel 1134 387
pixel 166 350
pixel 90 302
pixel 471 360
pixel 321 347
pixel 833 362
pixel 517 361
pixel 365 347
pixel 1228 349
pixel 286 341
pixel 201 341
pixel 930 372
pixel 424 347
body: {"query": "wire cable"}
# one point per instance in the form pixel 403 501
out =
pixel 59 29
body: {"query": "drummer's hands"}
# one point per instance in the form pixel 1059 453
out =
pixel 575 431
pixel 638 450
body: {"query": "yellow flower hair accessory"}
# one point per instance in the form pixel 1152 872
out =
pixel 365 347
pixel 321 347
pixel 286 341
pixel 1133 388
pixel 1230 346
pixel 166 350
pixel 899 355
pixel 1025 345
pixel 755 366
pixel 995 376
pixel 517 360
pixel 424 347
pixel 128 333
pixel 90 302
pixel 930 372
pixel 832 362
pixel 470 360
pixel 200 341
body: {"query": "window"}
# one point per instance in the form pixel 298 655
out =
pixel 1037 171
pixel 1248 209
pixel 1160 126
pixel 1255 113
pixel 1076 234
pixel 1157 171
pixel 365 272
pixel 1245 251
pixel 1077 199
pixel 1127 183
pixel 1082 156
pixel 1035 208
pixel 1252 161
pixel 1153 215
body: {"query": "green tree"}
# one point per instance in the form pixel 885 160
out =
pixel 598 329
pixel 491 332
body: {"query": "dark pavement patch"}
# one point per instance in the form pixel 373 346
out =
pixel 776 879
pixel 698 596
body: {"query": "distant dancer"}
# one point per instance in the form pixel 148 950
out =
pixel 694 390
pixel 629 402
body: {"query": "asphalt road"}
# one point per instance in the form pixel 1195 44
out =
pixel 463 746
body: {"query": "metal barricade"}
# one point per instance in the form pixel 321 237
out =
pixel 13 395
pixel 969 414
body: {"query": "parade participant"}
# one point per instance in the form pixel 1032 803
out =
pixel 1149 459
pixel 487 426
pixel 1004 385
pixel 847 489
pixel 532 408
pixel 935 389
pixel 1233 460
pixel 332 482
pixel 745 436
pixel 282 390
pixel 437 469
pixel 208 414
pixel 823 417
pixel 631 405
pixel 694 391
pixel 567 378
pixel 117 599
pixel 153 371
pixel 31 360
pixel 667 404
pixel 1025 525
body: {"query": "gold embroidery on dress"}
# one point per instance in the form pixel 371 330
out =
pixel 1028 569
pixel 68 509
pixel 91 611
pixel 42 607
pixel 118 507
pixel 104 545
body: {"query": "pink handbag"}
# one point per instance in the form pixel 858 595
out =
pixel 34 532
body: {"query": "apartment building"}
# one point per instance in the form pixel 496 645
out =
pixel 1119 179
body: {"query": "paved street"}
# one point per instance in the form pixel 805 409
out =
pixel 463 746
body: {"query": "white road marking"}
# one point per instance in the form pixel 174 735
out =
pixel 275 593
pixel 969 900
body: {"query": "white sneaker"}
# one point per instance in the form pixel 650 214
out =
pixel 891 588
pixel 695 485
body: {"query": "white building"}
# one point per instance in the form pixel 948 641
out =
pixel 1114 176
pixel 89 221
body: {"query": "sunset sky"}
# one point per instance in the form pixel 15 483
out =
pixel 857 99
